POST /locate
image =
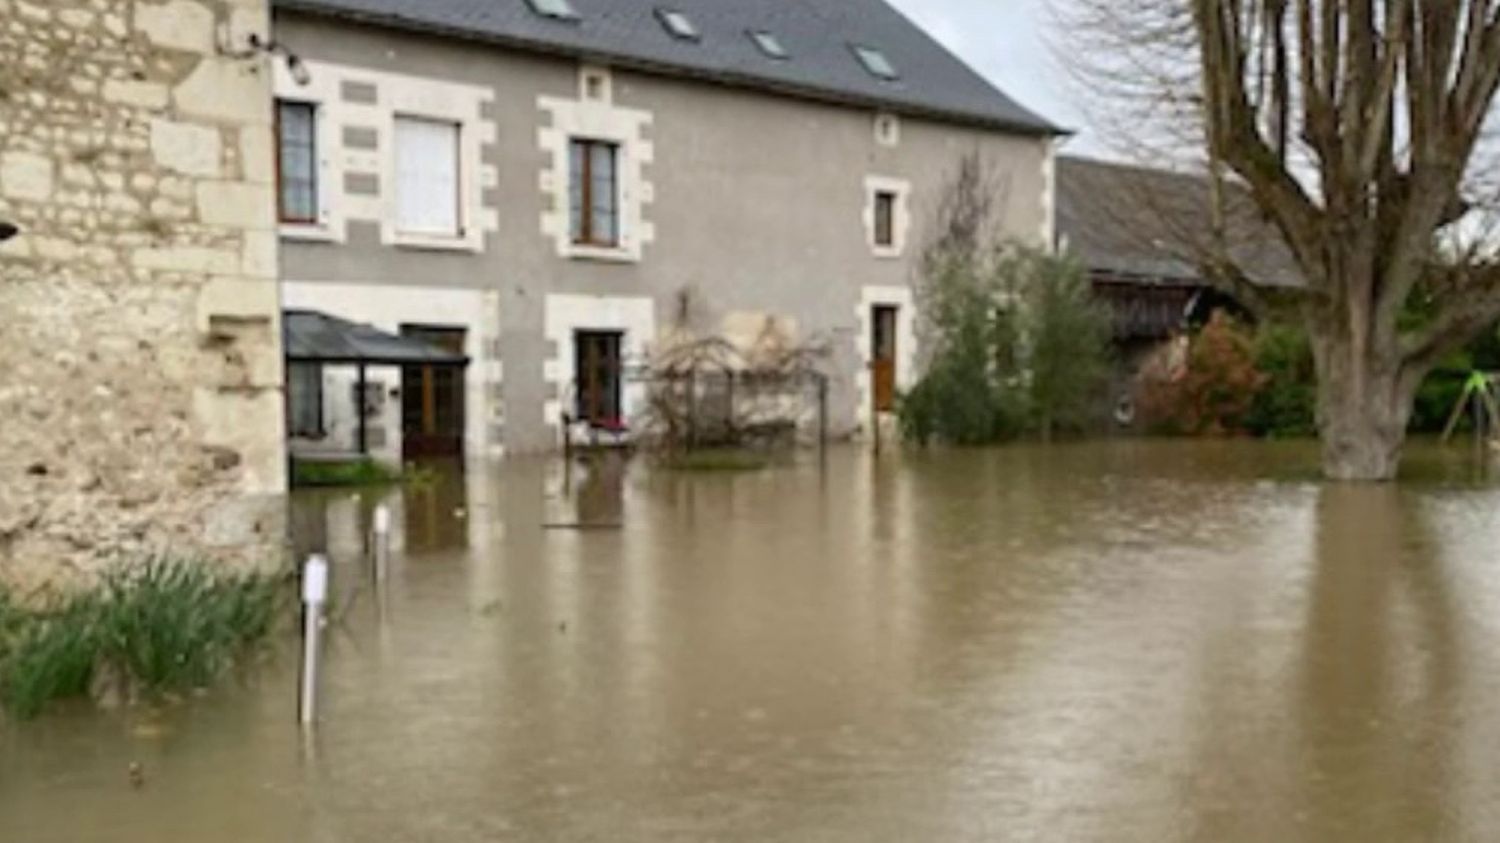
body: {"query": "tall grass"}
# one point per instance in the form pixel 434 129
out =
pixel 159 627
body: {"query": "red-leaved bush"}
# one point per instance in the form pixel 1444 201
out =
pixel 1202 384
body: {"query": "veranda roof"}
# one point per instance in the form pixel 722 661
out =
pixel 310 336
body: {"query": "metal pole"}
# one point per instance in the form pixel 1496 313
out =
pixel 875 404
pixel 314 597
pixel 382 542
pixel 359 410
pixel 822 414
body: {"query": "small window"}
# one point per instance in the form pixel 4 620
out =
pixel 875 61
pixel 593 193
pixel 677 23
pixel 557 9
pixel 768 44
pixel 593 86
pixel 427 177
pixel 885 218
pixel 297 162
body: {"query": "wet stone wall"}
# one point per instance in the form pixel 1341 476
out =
pixel 140 365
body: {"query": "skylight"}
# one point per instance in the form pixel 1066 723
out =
pixel 559 9
pixel 677 23
pixel 875 61
pixel 768 43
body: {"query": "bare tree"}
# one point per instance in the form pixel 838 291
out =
pixel 1358 128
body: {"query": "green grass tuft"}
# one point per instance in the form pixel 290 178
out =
pixel 161 627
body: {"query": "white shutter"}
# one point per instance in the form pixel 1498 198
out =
pixel 427 174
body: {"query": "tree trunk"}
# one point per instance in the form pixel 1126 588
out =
pixel 1364 404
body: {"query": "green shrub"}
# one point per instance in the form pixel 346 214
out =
pixel 1019 345
pixel 1286 406
pixel 964 398
pixel 159 627
pixel 1068 331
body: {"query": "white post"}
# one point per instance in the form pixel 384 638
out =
pixel 314 597
pixel 382 542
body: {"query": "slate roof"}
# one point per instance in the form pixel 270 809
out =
pixel 818 36
pixel 1149 226
pixel 313 337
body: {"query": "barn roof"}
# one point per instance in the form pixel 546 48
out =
pixel 1151 226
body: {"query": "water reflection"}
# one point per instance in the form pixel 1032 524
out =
pixel 1114 641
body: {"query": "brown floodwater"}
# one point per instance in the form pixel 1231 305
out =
pixel 1121 641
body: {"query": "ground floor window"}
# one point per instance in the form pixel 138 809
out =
pixel 598 374
pixel 304 383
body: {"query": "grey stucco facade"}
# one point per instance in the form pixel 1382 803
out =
pixel 755 202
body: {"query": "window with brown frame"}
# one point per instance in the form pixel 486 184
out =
pixel 885 218
pixel 297 162
pixel 594 193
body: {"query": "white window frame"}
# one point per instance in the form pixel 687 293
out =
pixel 901 216
pixel 329 224
pixel 438 105
pixel 567 120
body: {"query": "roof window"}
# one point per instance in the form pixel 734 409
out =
pixel 768 44
pixel 678 24
pixel 875 61
pixel 556 9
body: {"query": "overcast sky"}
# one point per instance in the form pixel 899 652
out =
pixel 1009 42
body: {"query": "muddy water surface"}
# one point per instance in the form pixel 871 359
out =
pixel 1110 642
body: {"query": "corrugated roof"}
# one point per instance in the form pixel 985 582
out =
pixel 1151 225
pixel 818 35
pixel 314 337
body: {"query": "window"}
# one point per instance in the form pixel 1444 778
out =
pixel 593 189
pixel 875 61
pixel 768 44
pixel 427 178
pixel 678 24
pixel 556 9
pixel 593 86
pixel 297 162
pixel 304 404
pixel 885 219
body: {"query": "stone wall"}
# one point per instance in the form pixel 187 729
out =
pixel 140 363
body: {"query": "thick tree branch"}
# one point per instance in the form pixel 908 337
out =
pixel 1468 306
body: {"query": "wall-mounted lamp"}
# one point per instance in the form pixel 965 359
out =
pixel 256 45
pixel 8 230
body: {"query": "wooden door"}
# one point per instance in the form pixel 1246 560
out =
pixel 432 398
pixel 883 356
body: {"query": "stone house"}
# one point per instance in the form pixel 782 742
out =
pixel 140 361
pixel 552 187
